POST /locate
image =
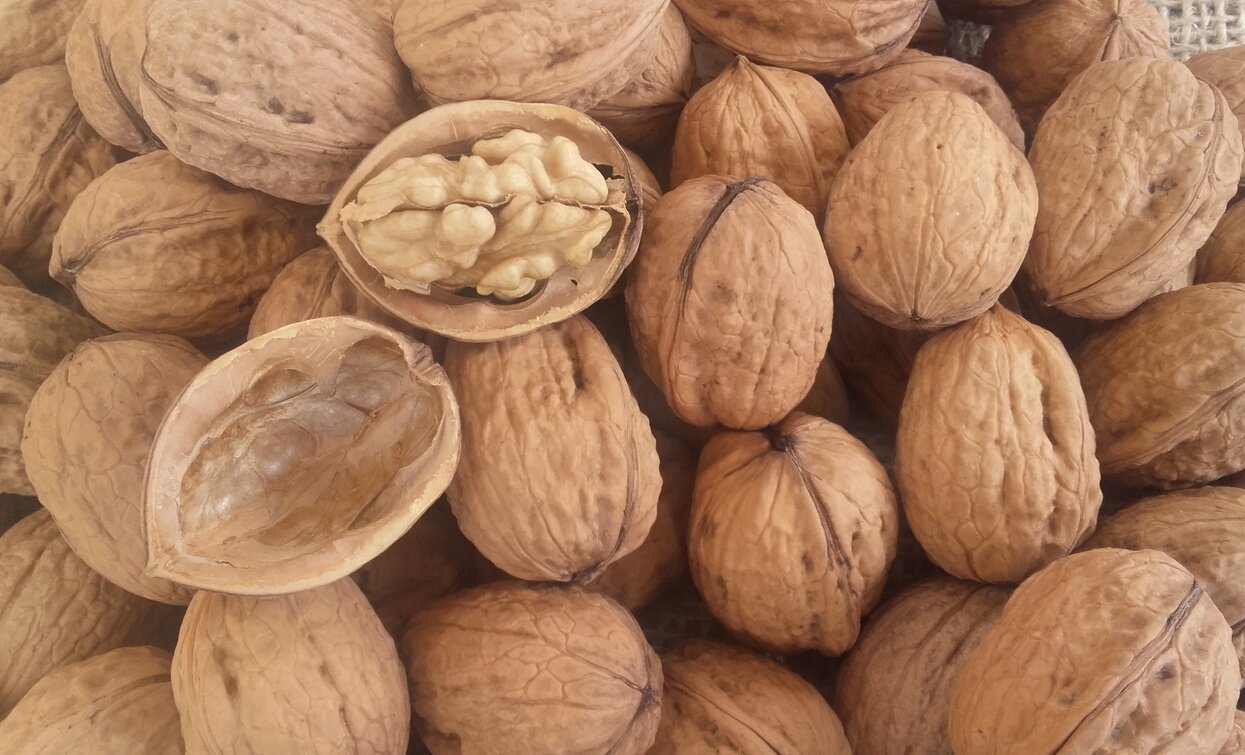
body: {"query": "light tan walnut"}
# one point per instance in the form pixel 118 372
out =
pixel 32 33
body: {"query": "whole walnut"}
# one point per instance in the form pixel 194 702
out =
pixel 1103 651
pixel 1222 258
pixel 828 396
pixel 995 452
pixel 283 98
pixel 836 37
pixel 931 215
pixel 32 33
pixel 311 672
pixel 1225 69
pixel 48 155
pixel 118 703
pixel 730 300
pixel 1036 50
pixel 874 360
pixel 1135 164
pixel 792 533
pixel 1165 388
pixel 894 689
pixel 719 698
pixel 512 667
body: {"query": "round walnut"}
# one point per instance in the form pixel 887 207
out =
pixel 485 220
pixel 995 452
pixel 894 688
pixel 722 699
pixel 800 571
pixel 757 121
pixel 730 301
pixel 931 215
pixel 1134 165
pixel 1222 259
pixel 510 667
pixel 1225 69
pixel 298 457
pixel 1166 388
pixel 282 98
pixel 118 703
pixel 1104 651
pixel 32 33
pixel 155 245
pixel 837 37
pixel 88 432
pixel 313 672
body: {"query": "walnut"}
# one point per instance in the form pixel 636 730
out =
pixel 1222 258
pixel 510 667
pixel 7 278
pixel 931 215
pixel 297 457
pixel 1134 165
pixel 1236 740
pixel 1225 69
pixel 32 33
pixel 730 301
pixel 801 571
pixel 723 699
pixel 1146 665
pixel 828 396
pixel 874 360
pixel 648 187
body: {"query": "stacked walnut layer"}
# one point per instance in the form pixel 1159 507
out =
pixel 363 392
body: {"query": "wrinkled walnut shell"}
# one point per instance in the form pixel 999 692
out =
pixel 1225 69
pixel 1222 258
pixel 32 33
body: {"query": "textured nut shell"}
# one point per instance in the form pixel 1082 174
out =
pixel 828 396
pixel 802 570
pixel 1225 69
pixel 718 698
pixel 1164 388
pixel 1222 259
pixel 336 546
pixel 451 128
pixel 757 121
pixel 283 98
pixel 7 278
pixel 995 452
pixel 1147 665
pixel 730 301
pixel 312 672
pixel 1236 740
pixel 931 215
pixel 863 100
pixel 837 37
pixel 1134 165
pixel 894 688
pixel 874 360
pixel 118 703
pixel 32 33
pixel 56 610
pixel 510 667
pixel 648 186
pixel 48 154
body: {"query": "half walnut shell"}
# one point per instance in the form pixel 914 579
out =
pixel 412 229
pixel 296 458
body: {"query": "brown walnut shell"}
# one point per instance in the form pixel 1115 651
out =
pixel 874 360
pixel 828 396
pixel 1225 69
pixel 511 667
pixel 731 300
pixel 8 278
pixel 931 215
pixel 792 533
pixel 1222 258
pixel 297 457
pixel 283 98
pixel 1103 651
pixel 32 33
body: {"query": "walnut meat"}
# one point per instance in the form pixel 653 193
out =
pixel 730 301
pixel 1225 69
pixel 1134 165
pixel 297 457
pixel 1104 651
pixel 722 699
pixel 510 667
pixel 931 215
pixel 32 33
pixel 1222 258
pixel 792 533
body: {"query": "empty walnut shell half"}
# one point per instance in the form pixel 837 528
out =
pixel 483 220
pixel 297 457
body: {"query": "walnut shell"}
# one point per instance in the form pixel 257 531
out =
pixel 1222 258
pixel 48 155
pixel 894 689
pixel 283 98
pixel 312 672
pixel 757 121
pixel 874 360
pixel 1103 651
pixel 730 301
pixel 1165 388
pixel 350 433
pixel 838 37
pixel 7 278
pixel 1236 740
pixel 726 700
pixel 32 33
pixel 931 215
pixel 1134 164
pixel 510 667
pixel 1225 69
pixel 828 396
pixel 118 703
pixel 801 571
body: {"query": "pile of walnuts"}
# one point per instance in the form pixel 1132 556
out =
pixel 361 391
